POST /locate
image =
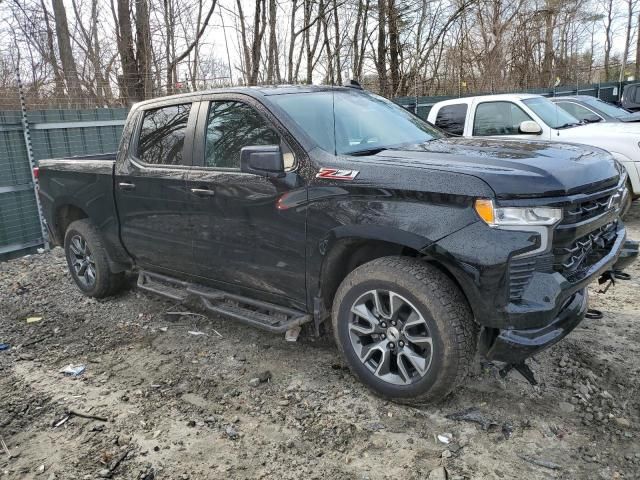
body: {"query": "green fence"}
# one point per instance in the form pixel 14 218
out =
pixel 51 133
pixel 609 92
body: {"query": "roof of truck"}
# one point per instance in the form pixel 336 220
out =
pixel 261 91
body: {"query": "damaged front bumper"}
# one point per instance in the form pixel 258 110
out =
pixel 514 345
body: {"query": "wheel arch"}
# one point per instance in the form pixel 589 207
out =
pixel 63 216
pixel 350 248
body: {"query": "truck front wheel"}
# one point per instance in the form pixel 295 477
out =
pixel 87 260
pixel 404 329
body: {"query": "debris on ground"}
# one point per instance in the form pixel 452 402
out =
pixel 473 415
pixel 33 319
pixel 445 438
pixel 73 370
pixel 541 463
pixel 4 346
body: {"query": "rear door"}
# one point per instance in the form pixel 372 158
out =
pixel 150 189
pixel 246 238
pixel 451 118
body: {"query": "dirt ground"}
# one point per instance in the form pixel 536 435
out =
pixel 239 403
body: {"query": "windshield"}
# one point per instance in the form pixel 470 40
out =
pixel 550 113
pixel 606 107
pixel 363 123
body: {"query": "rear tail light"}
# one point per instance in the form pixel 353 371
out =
pixel 36 172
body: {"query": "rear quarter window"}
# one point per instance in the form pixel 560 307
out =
pixel 451 118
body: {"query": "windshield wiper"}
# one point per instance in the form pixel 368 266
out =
pixel 567 125
pixel 366 151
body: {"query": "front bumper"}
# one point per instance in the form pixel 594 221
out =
pixel 515 345
pixel 547 293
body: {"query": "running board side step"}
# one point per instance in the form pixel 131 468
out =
pixel 263 315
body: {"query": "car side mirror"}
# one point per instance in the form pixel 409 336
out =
pixel 263 160
pixel 530 127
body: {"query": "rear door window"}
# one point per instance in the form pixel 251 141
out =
pixel 451 118
pixel 498 118
pixel 162 135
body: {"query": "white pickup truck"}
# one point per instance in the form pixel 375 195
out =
pixel 527 116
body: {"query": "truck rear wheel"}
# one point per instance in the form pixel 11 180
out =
pixel 404 329
pixel 87 260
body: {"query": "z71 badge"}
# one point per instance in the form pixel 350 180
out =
pixel 336 174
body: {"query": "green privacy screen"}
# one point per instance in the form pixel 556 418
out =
pixel 53 133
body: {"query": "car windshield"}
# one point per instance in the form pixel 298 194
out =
pixel 607 108
pixel 550 113
pixel 354 122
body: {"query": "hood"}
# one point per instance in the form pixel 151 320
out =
pixel 600 129
pixel 513 169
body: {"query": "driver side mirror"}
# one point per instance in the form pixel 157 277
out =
pixel 530 127
pixel 263 160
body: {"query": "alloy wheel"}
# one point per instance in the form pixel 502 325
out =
pixel 82 262
pixel 390 337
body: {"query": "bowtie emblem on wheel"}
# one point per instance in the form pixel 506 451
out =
pixel 337 174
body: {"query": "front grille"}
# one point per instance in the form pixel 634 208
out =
pixel 570 256
pixel 579 212
pixel 574 259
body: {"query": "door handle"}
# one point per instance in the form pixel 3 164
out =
pixel 127 186
pixel 203 192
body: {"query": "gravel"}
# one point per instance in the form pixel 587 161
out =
pixel 247 404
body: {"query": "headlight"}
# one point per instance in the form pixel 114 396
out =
pixel 516 216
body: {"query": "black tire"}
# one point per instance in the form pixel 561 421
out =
pixel 444 310
pixel 106 283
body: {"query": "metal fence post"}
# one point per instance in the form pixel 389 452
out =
pixel 32 163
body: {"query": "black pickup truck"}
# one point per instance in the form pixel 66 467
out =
pixel 283 206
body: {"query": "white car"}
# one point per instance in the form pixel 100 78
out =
pixel 531 117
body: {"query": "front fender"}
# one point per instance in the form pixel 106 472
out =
pixel 633 170
pixel 397 218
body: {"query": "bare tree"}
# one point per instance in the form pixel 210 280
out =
pixel 69 70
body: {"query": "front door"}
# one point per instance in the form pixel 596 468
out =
pixel 150 189
pixel 500 119
pixel 245 237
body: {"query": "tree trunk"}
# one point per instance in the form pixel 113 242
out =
pixel 381 63
pixel 245 44
pixel 637 69
pixel 51 55
pixel 271 48
pixel 130 76
pixel 547 63
pixel 608 43
pixel 143 50
pixel 394 46
pixel 259 21
pixel 292 41
pixel 627 39
pixel 69 70
pixel 337 44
